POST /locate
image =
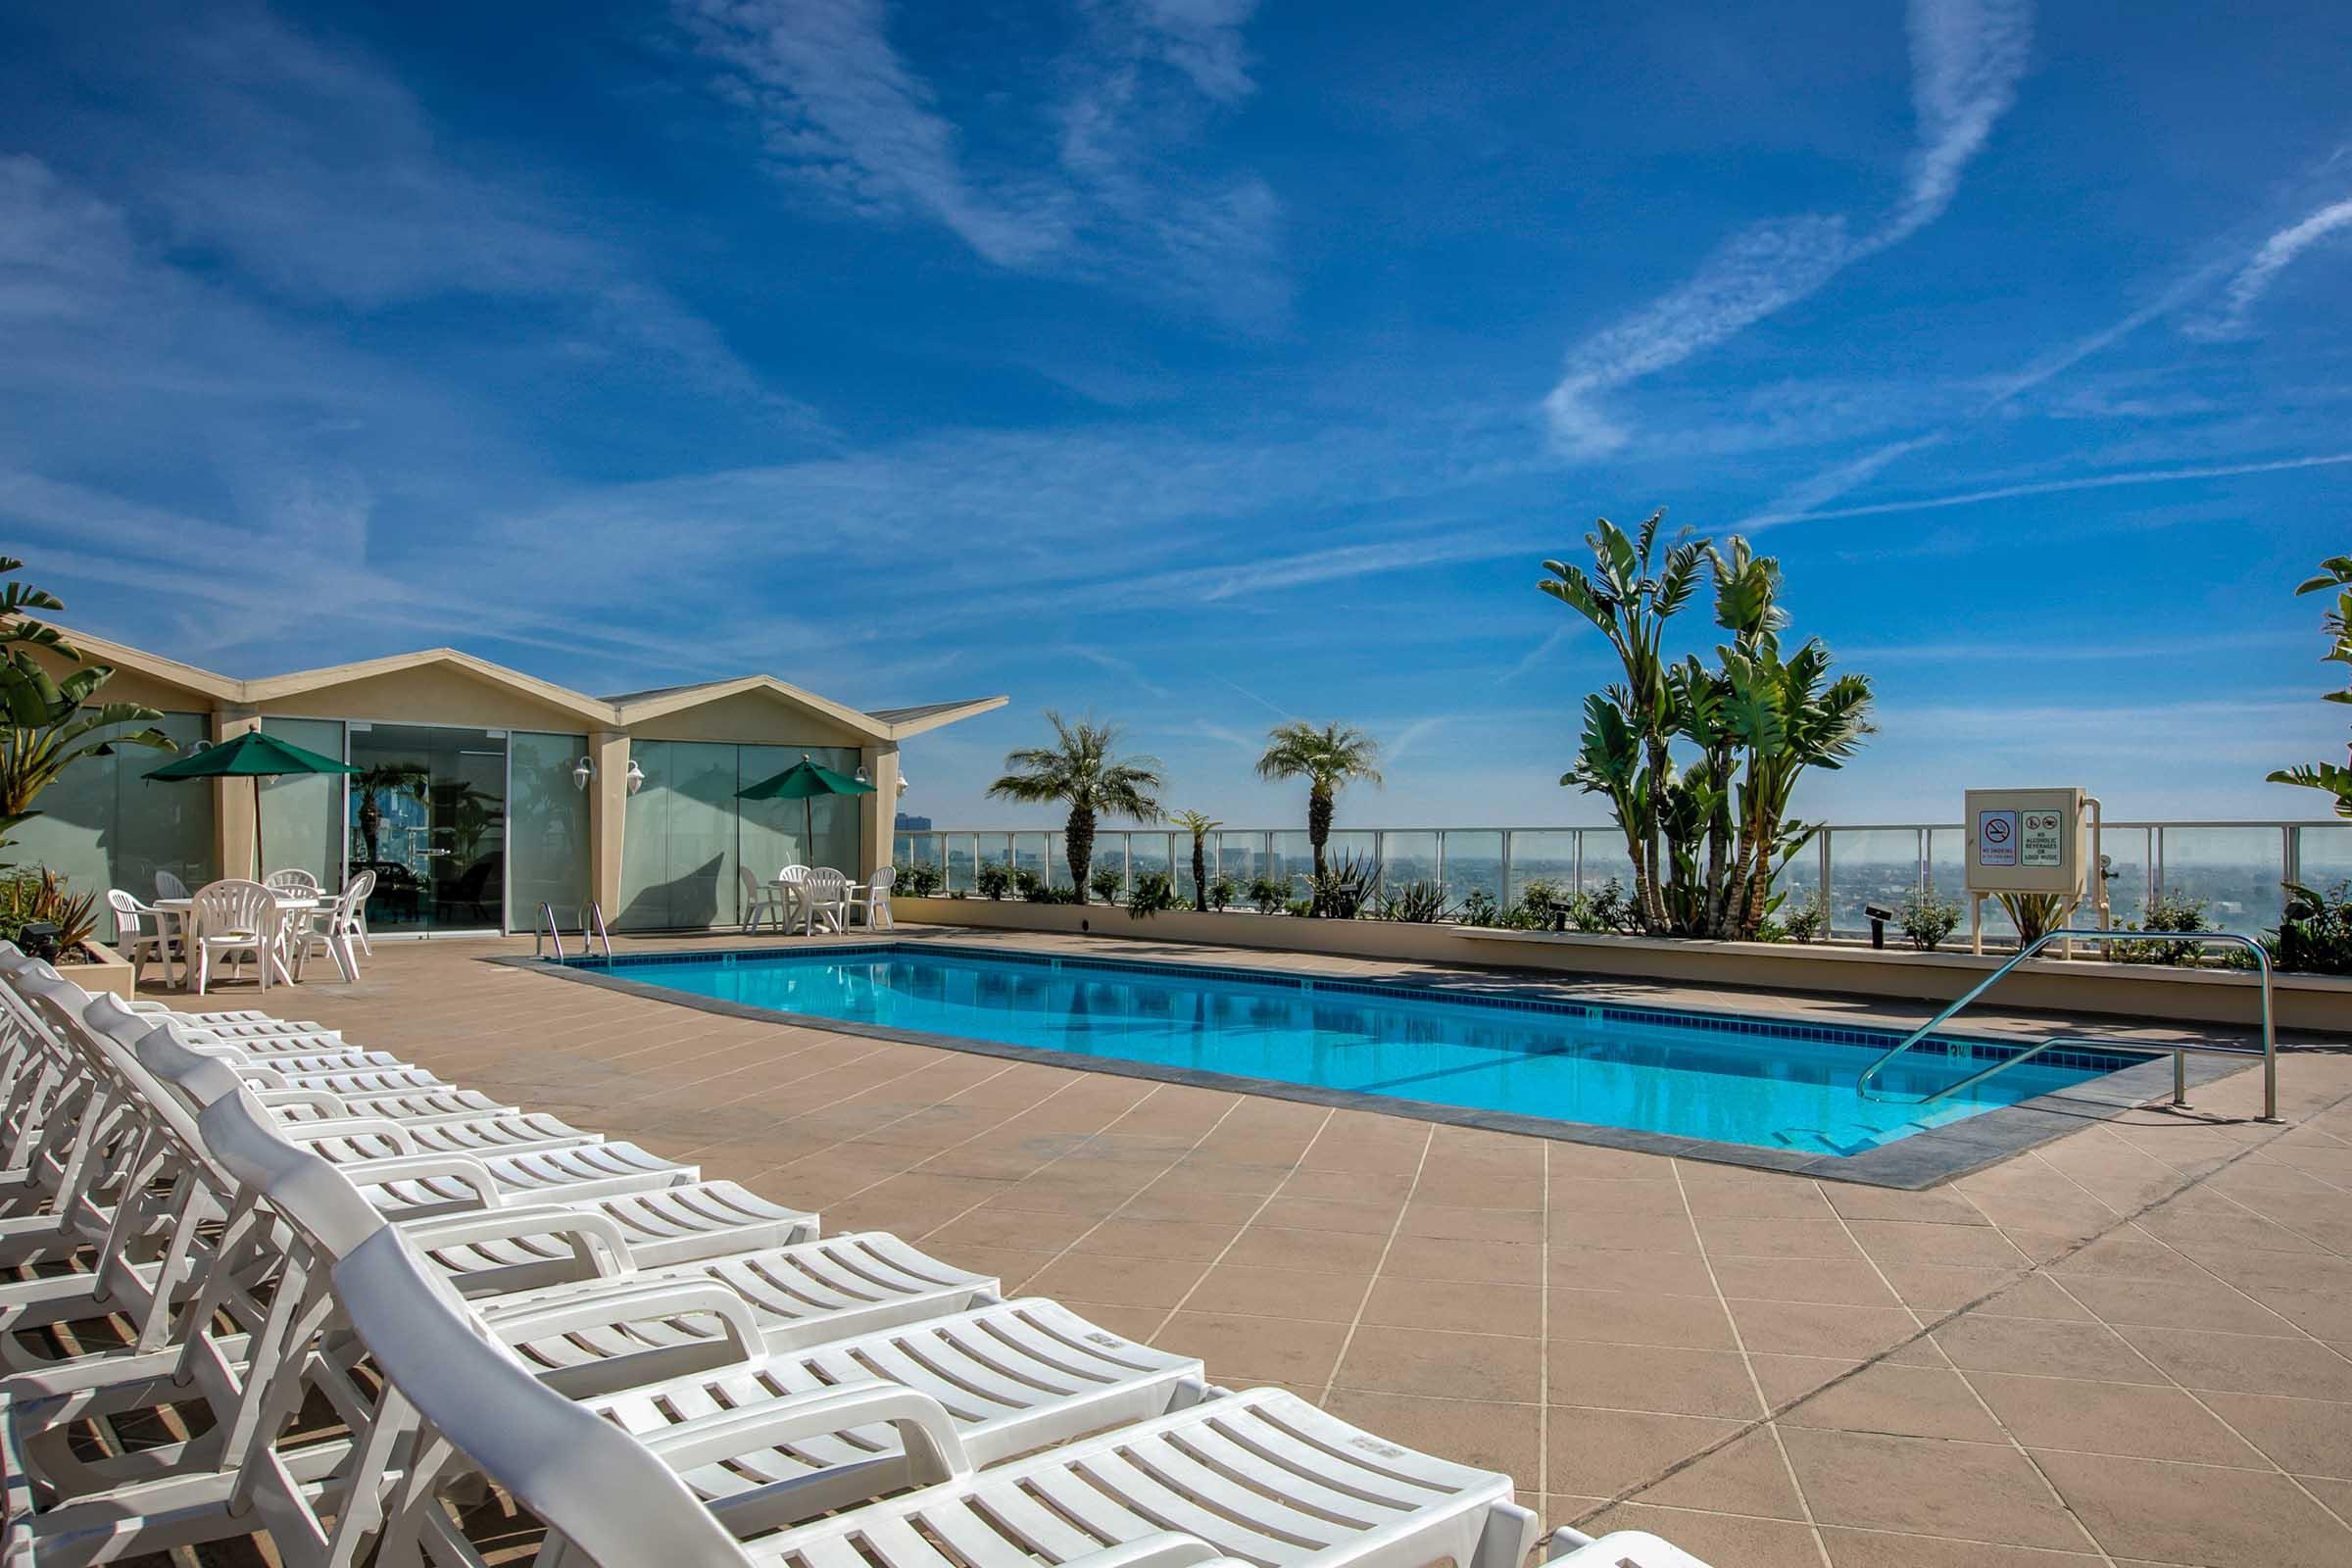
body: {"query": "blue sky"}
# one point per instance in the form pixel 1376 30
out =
pixel 1206 363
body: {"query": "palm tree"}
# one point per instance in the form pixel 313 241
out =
pixel 376 783
pixel 47 723
pixel 1082 768
pixel 1200 825
pixel 1328 759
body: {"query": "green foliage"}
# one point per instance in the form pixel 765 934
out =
pixel 921 880
pixel 1269 895
pixel 993 880
pixel 48 723
pixel 2315 931
pixel 1028 884
pixel 2335 779
pixel 1480 908
pixel 1418 904
pixel 1152 892
pixel 2034 914
pixel 1106 883
pixel 1929 918
pixel 1200 825
pixel 1609 909
pixel 2167 912
pixel 40 896
pixel 373 786
pixel 1341 892
pixel 1704 835
pixel 1805 919
pixel 1223 891
pixel 1329 758
pixel 1083 770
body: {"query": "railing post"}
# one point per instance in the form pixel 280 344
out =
pixel 1503 900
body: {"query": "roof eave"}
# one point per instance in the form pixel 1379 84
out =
pixel 960 712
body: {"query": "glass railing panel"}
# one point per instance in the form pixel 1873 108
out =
pixel 1798 880
pixel 1868 865
pixel 1543 854
pixel 1057 859
pixel 1408 857
pixel 1241 857
pixel 1353 844
pixel 2323 855
pixel 1290 857
pixel 1148 852
pixel 2128 868
pixel 1473 864
pixel 962 859
pixel 1029 851
pixel 1606 862
pixel 2236 870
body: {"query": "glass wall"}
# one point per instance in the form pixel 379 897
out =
pixel 2236 871
pixel 1292 859
pixel 303 813
pixel 2323 855
pixel 428 816
pixel 1473 864
pixel 1407 857
pixel 547 829
pixel 686 834
pixel 1867 866
pixel 1544 856
pixel 103 825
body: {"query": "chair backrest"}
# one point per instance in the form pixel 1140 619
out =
pixel 793 873
pixel 878 885
pixel 128 911
pixel 233 905
pixel 293 879
pixel 305 1189
pixel 167 886
pixel 750 884
pixel 358 889
pixel 585 1478
pixel 826 883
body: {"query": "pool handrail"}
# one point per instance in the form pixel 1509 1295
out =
pixel 2270 1035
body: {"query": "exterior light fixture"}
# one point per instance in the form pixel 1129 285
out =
pixel 636 777
pixel 582 772
pixel 902 783
pixel 860 774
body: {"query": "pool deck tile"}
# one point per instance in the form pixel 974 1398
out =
pixel 2129 1343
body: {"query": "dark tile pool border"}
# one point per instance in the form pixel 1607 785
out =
pixel 1923 1159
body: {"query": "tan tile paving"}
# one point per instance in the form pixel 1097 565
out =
pixel 2133 1345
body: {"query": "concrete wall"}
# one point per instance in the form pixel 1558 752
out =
pixel 2314 1002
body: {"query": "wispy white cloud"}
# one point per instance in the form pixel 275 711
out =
pixel 1409 738
pixel 2232 317
pixel 1127 667
pixel 842 110
pixel 1800 499
pixel 1536 655
pixel 2094 481
pixel 1967 57
pixel 1211 584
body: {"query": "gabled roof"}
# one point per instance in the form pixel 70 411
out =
pixel 618 711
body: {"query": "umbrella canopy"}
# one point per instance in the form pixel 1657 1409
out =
pixel 254 755
pixel 805 781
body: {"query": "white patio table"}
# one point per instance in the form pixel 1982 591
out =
pixel 799 910
pixel 291 907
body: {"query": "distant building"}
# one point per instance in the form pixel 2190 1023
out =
pixel 912 825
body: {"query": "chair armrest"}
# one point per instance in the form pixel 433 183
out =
pixel 934 1448
pixel 329 1106
pixel 423 1168
pixel 596 1239
pixel 604 1304
pixel 1162 1549
pixel 301 1133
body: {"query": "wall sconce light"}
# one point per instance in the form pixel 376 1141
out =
pixel 636 777
pixel 582 772
pixel 862 776
pixel 902 783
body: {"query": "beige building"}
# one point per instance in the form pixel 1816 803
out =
pixel 483 792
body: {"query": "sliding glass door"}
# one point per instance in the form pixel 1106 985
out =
pixel 428 816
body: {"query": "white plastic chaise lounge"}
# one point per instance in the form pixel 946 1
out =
pixel 1262 1473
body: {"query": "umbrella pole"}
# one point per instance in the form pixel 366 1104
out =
pixel 260 858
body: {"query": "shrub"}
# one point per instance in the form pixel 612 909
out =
pixel 1804 919
pixel 40 897
pixel 1607 909
pixel 1106 883
pixel 1269 895
pixel 1341 892
pixel 919 881
pixel 1154 891
pixel 993 880
pixel 1418 904
pixel 2315 931
pixel 1223 891
pixel 1028 884
pixel 1480 908
pixel 1770 929
pixel 2165 911
pixel 2034 914
pixel 1929 918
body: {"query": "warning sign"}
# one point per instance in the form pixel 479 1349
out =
pixel 1996 838
pixel 2041 839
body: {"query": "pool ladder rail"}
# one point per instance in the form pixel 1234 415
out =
pixel 547 931
pixel 2270 1035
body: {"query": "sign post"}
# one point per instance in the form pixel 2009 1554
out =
pixel 2031 841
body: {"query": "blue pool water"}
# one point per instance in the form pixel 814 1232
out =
pixel 1736 1080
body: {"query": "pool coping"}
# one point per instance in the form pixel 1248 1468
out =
pixel 1922 1161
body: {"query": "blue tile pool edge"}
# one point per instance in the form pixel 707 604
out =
pixel 1923 1159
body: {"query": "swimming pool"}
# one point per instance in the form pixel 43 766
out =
pixel 1764 1083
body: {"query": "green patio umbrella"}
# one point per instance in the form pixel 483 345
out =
pixel 805 781
pixel 254 755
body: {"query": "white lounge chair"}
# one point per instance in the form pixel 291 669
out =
pixel 293 879
pixel 762 902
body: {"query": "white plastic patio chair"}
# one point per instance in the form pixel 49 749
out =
pixel 233 919
pixel 763 902
pixel 824 900
pixel 134 940
pixel 335 926
pixel 364 887
pixel 167 886
pixel 293 879
pixel 875 905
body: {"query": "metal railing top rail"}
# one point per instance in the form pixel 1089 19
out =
pixel 1106 830
pixel 2269 1034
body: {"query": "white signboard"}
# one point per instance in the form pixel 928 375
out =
pixel 2041 838
pixel 1996 838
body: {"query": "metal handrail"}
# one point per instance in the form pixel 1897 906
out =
pixel 2269 1036
pixel 549 929
pixel 596 916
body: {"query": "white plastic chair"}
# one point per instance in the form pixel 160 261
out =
pixel 293 879
pixel 825 900
pixel 334 926
pixel 167 886
pixel 762 902
pixel 231 919
pixel 134 939
pixel 361 888
pixel 875 905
